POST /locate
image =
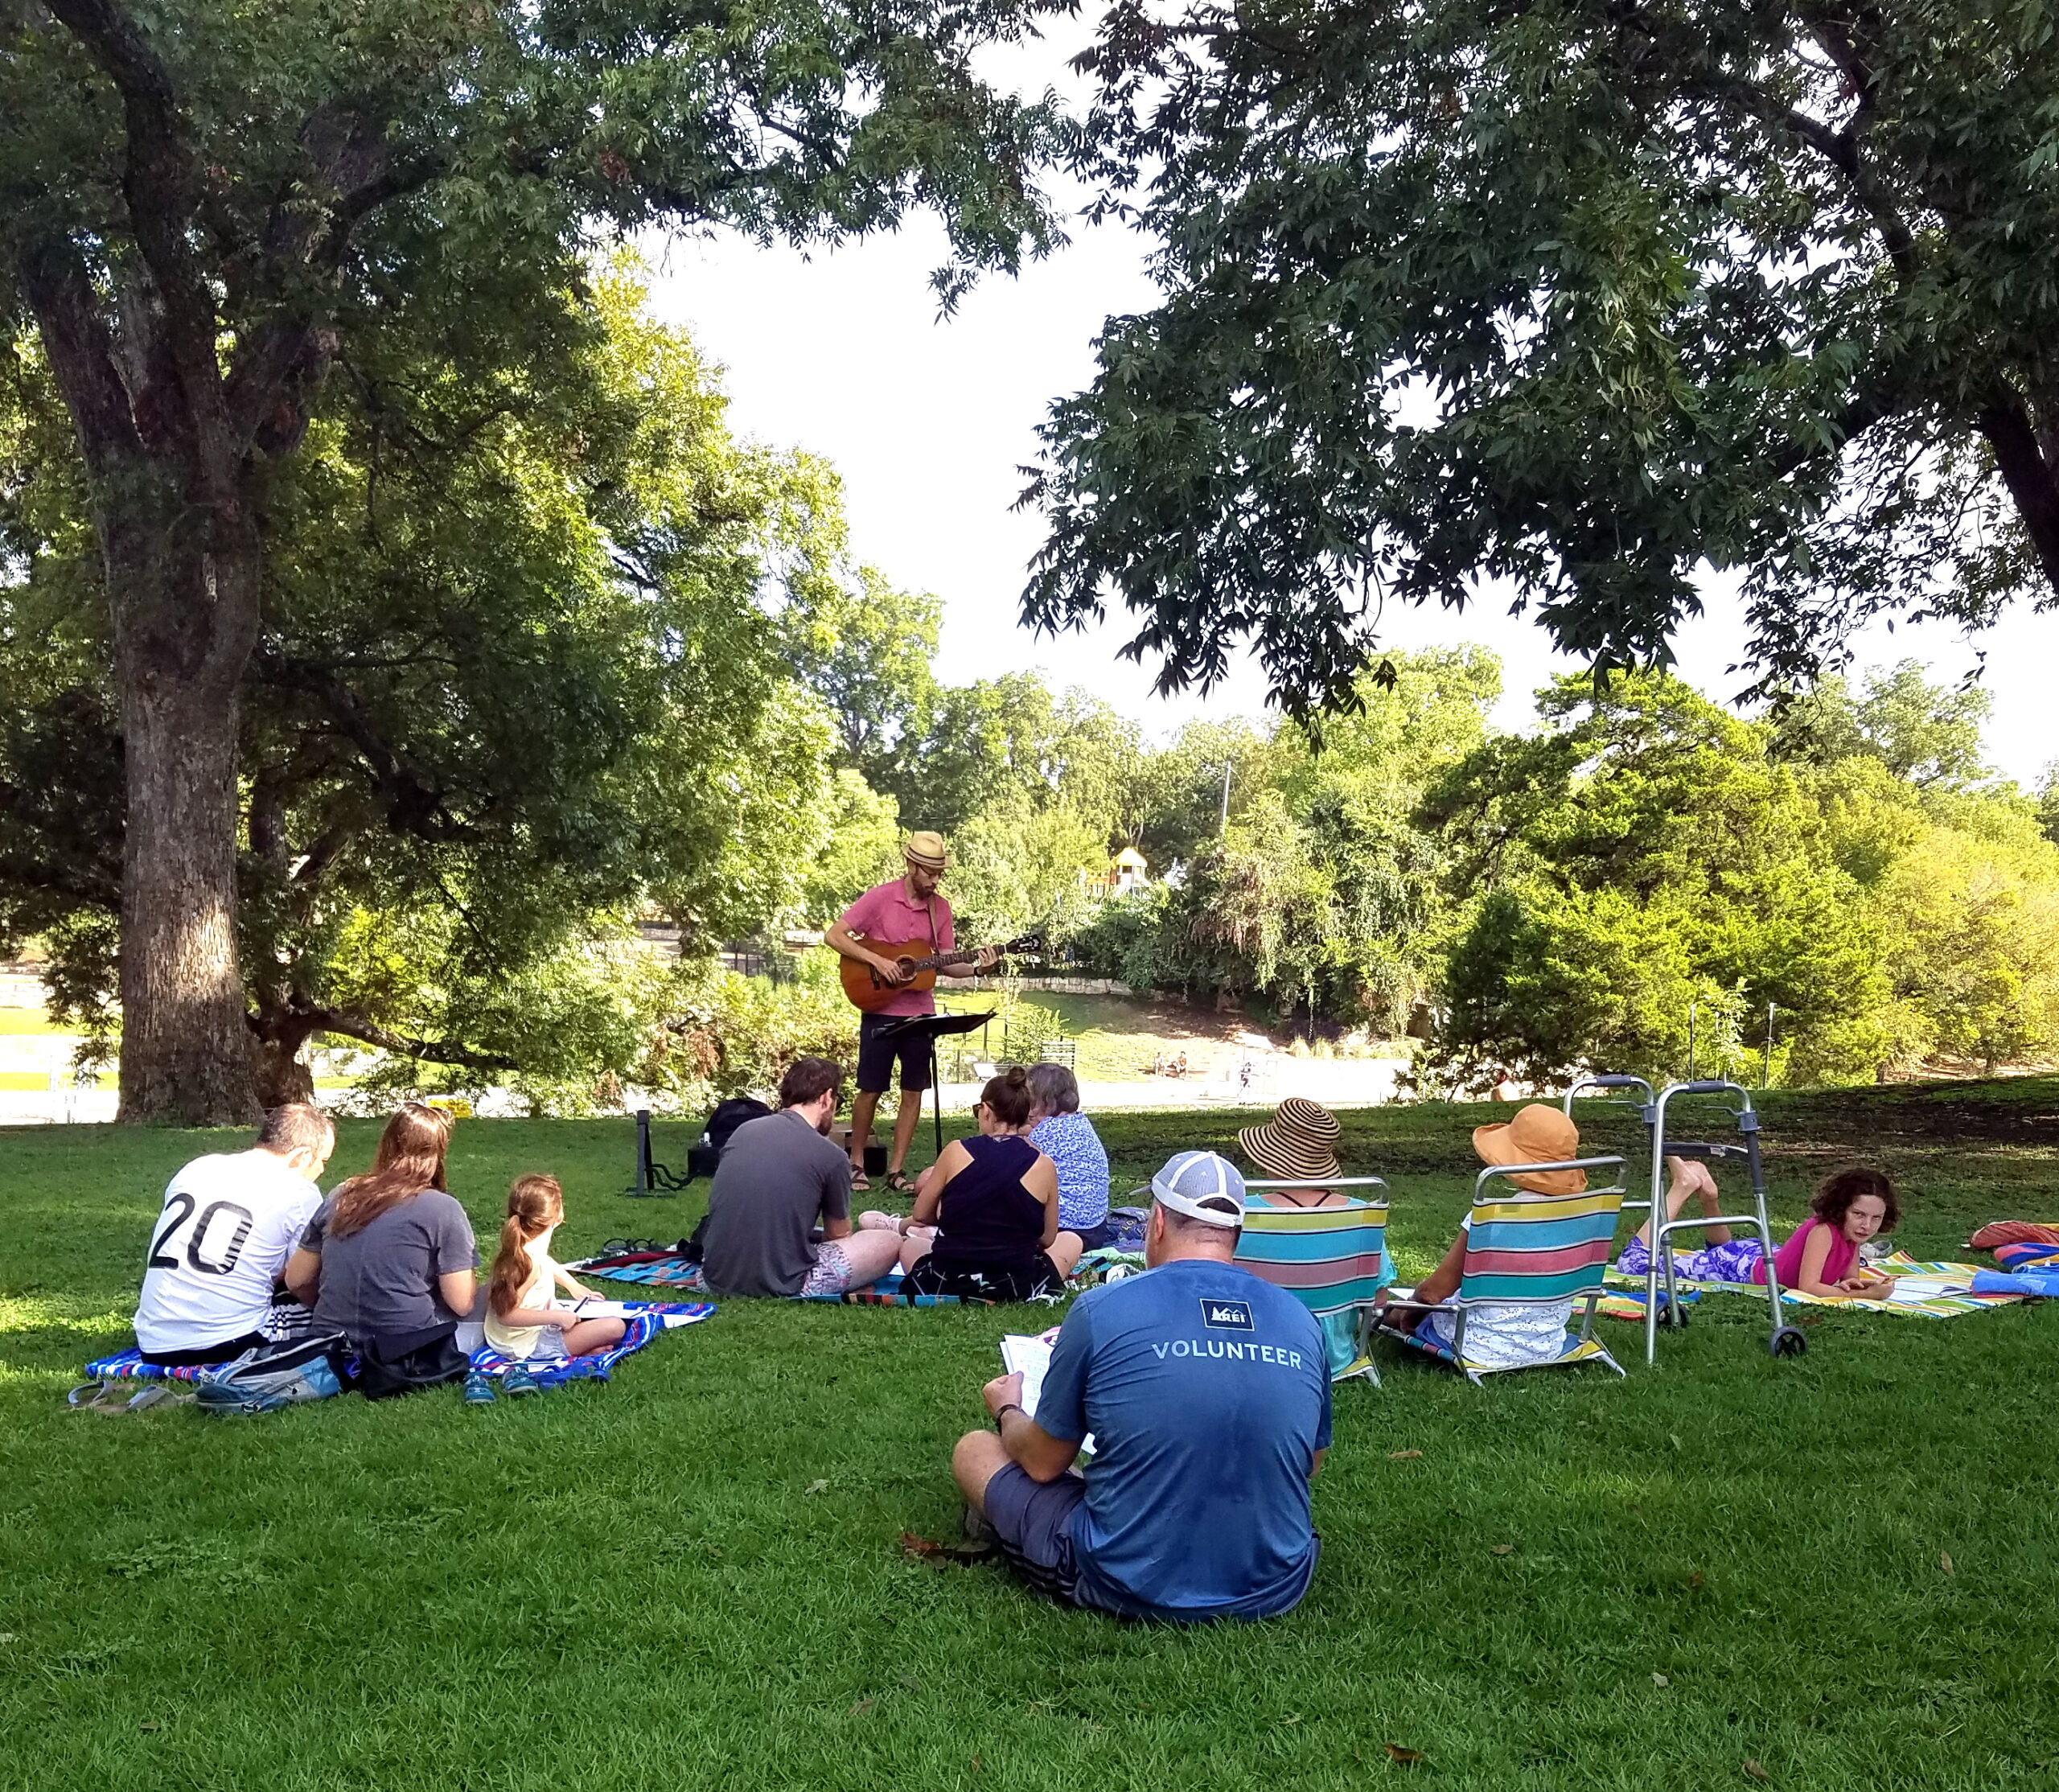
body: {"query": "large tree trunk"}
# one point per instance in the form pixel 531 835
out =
pixel 186 620
pixel 280 1075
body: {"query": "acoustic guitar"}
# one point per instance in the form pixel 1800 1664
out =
pixel 870 992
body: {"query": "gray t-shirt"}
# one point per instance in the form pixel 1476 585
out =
pixel 380 1281
pixel 777 1174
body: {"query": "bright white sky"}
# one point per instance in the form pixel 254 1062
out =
pixel 929 420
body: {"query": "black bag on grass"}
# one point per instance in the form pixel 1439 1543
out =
pixel 701 1159
pixel 387 1367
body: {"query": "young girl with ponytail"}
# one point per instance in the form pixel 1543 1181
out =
pixel 522 1321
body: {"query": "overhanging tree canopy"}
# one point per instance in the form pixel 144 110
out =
pixel 518 675
pixel 203 207
pixel 1579 295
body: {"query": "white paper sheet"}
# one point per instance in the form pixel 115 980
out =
pixel 1031 1356
pixel 596 1309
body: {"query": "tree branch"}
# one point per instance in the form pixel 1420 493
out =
pixel 81 350
pixel 1840 148
pixel 157 185
pixel 436 1051
pixel 413 804
pixel 274 372
pixel 92 892
pixel 2006 423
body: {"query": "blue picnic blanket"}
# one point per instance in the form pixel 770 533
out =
pixel 651 1317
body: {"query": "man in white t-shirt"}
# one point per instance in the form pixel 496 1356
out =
pixel 228 1224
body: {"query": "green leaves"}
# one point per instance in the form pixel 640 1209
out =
pixel 1566 302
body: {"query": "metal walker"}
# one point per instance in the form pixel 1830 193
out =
pixel 1785 1340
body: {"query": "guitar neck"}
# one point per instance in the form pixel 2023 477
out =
pixel 939 960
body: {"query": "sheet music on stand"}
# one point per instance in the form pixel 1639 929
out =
pixel 1030 1357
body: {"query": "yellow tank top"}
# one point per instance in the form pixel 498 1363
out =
pixel 520 1341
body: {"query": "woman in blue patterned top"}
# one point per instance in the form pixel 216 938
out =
pixel 1067 1138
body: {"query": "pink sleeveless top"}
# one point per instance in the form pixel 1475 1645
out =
pixel 1787 1260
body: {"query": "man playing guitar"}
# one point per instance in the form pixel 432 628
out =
pixel 908 908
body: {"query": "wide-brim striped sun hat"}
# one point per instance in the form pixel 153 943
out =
pixel 1298 1144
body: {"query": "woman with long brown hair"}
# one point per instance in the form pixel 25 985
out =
pixel 389 1259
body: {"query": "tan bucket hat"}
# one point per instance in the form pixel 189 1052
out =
pixel 927 850
pixel 1536 1134
pixel 1297 1145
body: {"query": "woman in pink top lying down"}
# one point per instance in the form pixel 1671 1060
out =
pixel 1821 1257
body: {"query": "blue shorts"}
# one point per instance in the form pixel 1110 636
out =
pixel 1033 1521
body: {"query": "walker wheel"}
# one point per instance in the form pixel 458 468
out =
pixel 1673 1313
pixel 1788 1341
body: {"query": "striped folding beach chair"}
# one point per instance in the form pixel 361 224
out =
pixel 1332 1259
pixel 1523 1249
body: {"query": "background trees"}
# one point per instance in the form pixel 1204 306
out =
pixel 520 678
pixel 223 226
pixel 1586 297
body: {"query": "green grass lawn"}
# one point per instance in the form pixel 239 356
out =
pixel 693 1577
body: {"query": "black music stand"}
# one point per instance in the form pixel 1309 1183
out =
pixel 931 1028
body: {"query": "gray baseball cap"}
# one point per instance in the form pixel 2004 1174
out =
pixel 1202 1187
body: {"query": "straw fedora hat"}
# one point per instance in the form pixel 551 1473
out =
pixel 1298 1144
pixel 1536 1134
pixel 927 850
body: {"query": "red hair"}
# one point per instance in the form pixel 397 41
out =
pixel 535 1204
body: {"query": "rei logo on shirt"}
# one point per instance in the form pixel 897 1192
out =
pixel 1227 1316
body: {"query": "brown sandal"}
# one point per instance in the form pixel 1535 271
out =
pixel 898 1183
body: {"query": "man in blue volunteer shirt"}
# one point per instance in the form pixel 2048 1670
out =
pixel 1206 1393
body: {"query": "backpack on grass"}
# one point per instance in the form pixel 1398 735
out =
pixel 702 1158
pixel 266 1380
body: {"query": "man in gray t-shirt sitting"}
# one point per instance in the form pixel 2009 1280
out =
pixel 778 1175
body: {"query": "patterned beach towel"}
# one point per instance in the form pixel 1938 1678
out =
pixel 1628 1303
pixel 128 1366
pixel 648 1319
pixel 648 1269
pixel 1933 1290
pixel 651 1317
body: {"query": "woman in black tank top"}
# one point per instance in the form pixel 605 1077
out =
pixel 994 1200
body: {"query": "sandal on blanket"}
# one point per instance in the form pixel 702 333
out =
pixel 896 1183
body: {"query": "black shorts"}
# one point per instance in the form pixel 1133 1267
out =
pixel 1033 1520
pixel 1027 1280
pixel 226 1351
pixel 876 1056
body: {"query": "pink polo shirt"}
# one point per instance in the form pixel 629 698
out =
pixel 885 914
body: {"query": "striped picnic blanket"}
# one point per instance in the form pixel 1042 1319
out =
pixel 886 1291
pixel 651 1317
pixel 1936 1290
pixel 647 1268
pixel 128 1366
pixel 1621 1303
